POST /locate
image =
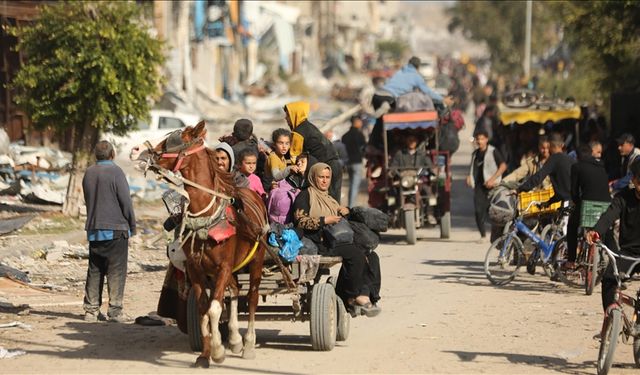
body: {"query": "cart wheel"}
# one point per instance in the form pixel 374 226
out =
pixel 344 321
pixel 410 226
pixel 323 320
pixel 445 225
pixel 193 323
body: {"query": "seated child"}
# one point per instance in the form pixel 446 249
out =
pixel 247 160
pixel 298 178
pixel 278 165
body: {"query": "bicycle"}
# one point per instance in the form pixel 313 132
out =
pixel 505 255
pixel 616 321
pixel 590 264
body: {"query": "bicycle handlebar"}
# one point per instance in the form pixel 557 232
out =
pixel 612 257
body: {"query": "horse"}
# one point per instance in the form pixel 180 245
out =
pixel 211 263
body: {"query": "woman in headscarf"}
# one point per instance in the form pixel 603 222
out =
pixel 314 209
pixel 306 137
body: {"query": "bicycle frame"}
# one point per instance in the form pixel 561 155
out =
pixel 520 227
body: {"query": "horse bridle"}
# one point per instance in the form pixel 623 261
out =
pixel 179 152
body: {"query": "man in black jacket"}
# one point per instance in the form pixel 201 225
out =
pixel 626 207
pixel 589 181
pixel 110 223
pixel 558 168
pixel 354 140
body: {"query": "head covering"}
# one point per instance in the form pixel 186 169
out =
pixel 297 112
pixel 224 146
pixel 626 138
pixel 242 129
pixel 320 202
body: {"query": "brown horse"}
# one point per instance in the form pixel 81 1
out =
pixel 210 264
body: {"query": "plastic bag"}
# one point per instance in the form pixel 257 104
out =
pixel 363 236
pixel 337 234
pixel 288 242
pixel 373 218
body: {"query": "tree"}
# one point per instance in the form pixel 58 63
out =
pixel 90 67
pixel 607 33
pixel 501 24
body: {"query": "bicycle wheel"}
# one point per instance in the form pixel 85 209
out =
pixel 573 278
pixel 591 268
pixel 503 260
pixel 547 236
pixel 636 347
pixel 609 341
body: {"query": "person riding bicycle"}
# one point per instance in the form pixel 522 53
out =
pixel 558 168
pixel 626 207
pixel 589 181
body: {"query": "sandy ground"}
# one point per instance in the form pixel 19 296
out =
pixel 440 315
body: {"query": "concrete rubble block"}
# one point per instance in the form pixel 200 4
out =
pixel 57 250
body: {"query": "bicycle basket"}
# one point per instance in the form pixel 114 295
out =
pixel 590 212
pixel 538 196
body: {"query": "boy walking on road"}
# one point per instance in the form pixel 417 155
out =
pixel 110 223
pixel 487 167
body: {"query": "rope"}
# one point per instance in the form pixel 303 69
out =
pixel 247 259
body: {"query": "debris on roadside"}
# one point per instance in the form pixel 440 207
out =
pixel 4 353
pixel 16 324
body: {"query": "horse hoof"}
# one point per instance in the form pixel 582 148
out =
pixel 218 355
pixel 235 347
pixel 218 360
pixel 202 362
pixel 249 354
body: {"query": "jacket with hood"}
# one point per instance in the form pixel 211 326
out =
pixel 239 179
pixel 306 137
pixel 408 79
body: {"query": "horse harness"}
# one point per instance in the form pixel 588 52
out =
pixel 195 225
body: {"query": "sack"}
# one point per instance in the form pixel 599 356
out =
pixel 448 139
pixel 308 247
pixel 280 201
pixel 373 218
pixel 457 119
pixel 414 102
pixel 337 234
pixel 363 236
pixel 502 205
pixel 288 243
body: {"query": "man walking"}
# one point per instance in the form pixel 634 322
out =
pixel 110 223
pixel 354 140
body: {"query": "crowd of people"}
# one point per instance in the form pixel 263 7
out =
pixel 575 177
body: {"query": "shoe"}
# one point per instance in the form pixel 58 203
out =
pixel 94 317
pixel 431 219
pixel 120 318
pixel 369 310
pixel 482 239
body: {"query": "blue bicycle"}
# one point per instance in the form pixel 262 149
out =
pixel 506 254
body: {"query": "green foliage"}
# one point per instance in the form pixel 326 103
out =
pixel 88 63
pixel 392 49
pixel 607 34
pixel 501 24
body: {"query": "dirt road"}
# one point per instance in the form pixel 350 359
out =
pixel 440 315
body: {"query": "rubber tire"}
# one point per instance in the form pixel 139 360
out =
pixel 410 226
pixel 344 321
pixel 609 342
pixel 516 244
pixel 193 323
pixel 591 279
pixel 543 234
pixel 445 225
pixel 323 321
pixel 636 347
pixel 556 253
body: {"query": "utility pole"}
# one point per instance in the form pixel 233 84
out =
pixel 527 41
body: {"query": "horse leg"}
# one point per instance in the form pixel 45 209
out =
pixel 235 340
pixel 215 311
pixel 203 359
pixel 255 277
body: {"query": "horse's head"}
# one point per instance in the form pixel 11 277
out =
pixel 169 151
